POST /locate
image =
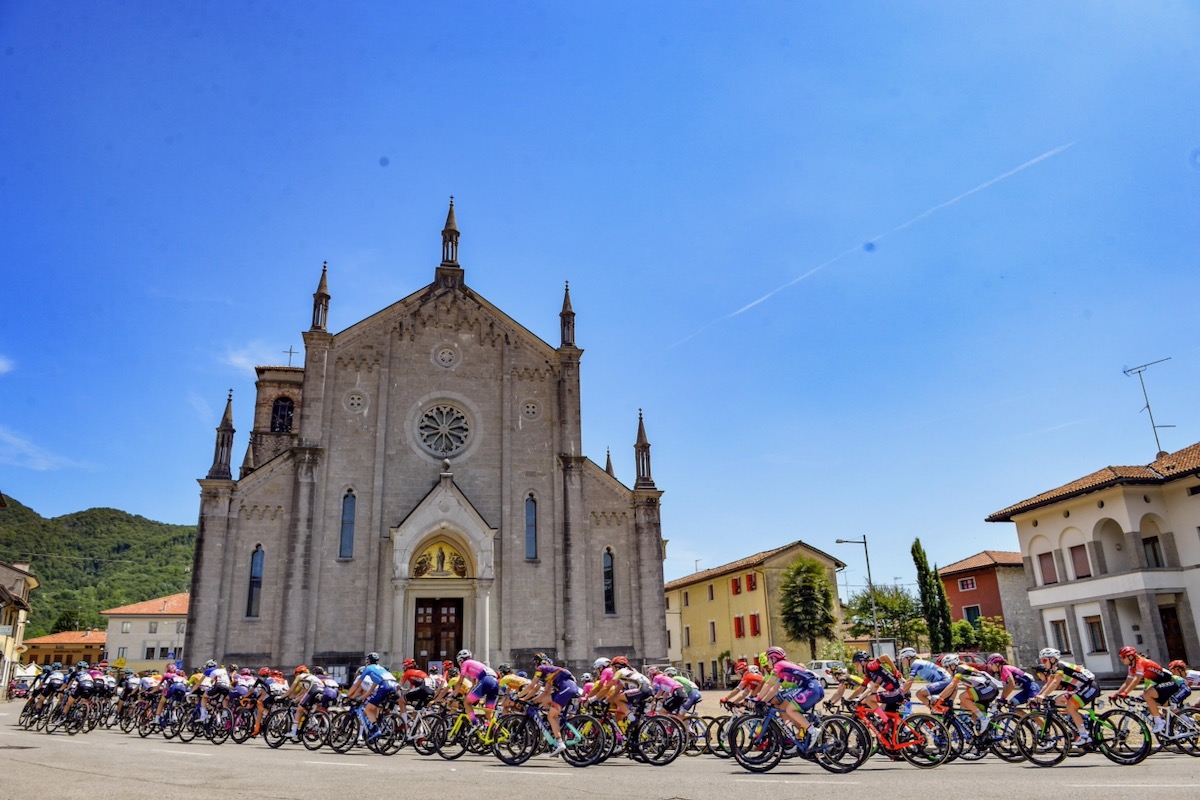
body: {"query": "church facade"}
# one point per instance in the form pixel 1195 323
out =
pixel 418 487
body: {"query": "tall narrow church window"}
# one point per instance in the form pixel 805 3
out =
pixel 281 415
pixel 610 595
pixel 531 551
pixel 254 595
pixel 346 548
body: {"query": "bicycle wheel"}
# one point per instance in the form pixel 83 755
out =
pixel 840 745
pixel 28 714
pixel 1001 738
pixel 422 735
pixel 188 727
pixel 1122 737
pixel 716 734
pixel 128 718
pixel 343 732
pixel 584 736
pixel 218 726
pixel 515 737
pixel 451 737
pixel 1044 741
pixel 974 745
pixel 276 726
pixel 243 725
pixel 315 731
pixel 924 741
pixel 756 745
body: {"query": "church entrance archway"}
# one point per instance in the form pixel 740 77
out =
pixel 438 629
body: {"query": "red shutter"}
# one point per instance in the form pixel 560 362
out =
pixel 735 584
pixel 751 582
pixel 754 629
pixel 739 630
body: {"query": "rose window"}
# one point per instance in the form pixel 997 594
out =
pixel 444 430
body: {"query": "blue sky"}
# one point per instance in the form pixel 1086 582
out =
pixel 965 220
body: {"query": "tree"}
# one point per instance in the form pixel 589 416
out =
pixel 964 636
pixel 991 635
pixel 806 597
pixel 942 618
pixel 898 610
pixel 927 585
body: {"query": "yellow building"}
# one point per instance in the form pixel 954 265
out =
pixel 16 583
pixel 719 615
pixel 67 647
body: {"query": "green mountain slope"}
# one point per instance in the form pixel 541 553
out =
pixel 93 560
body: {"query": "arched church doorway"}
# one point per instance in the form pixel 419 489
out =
pixel 438 630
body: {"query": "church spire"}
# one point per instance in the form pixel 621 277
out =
pixel 450 238
pixel 641 452
pixel 220 466
pixel 449 275
pixel 567 319
pixel 321 301
pixel 608 461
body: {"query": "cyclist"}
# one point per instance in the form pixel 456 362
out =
pixel 669 691
pixel 693 691
pixel 415 687
pixel 1190 677
pixel 1019 686
pixel 375 685
pixel 308 689
pixel 1161 683
pixel 881 684
pixel 553 688
pixel 54 677
pixel 792 689
pixel 79 686
pixel 847 680
pixel 511 685
pixel 217 686
pixel 979 689
pixel 1078 682
pixel 936 678
pixel 172 685
pixel 476 681
pixel 748 686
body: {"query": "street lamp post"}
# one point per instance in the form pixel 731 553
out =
pixel 870 586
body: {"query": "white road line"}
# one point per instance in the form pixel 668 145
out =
pixel 183 752
pixel 813 783
pixel 1118 786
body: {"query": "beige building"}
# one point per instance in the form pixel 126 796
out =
pixel 16 584
pixel 148 634
pixel 419 486
pixel 719 615
pixel 1113 559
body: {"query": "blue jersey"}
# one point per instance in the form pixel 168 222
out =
pixel 376 675
pixel 927 671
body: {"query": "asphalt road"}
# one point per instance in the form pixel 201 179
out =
pixel 109 764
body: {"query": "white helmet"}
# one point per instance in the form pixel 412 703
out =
pixel 950 661
pixel 753 670
pixel 601 663
pixel 1049 652
pixel 908 652
pixel 585 677
pixel 463 655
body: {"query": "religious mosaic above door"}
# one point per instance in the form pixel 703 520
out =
pixel 440 560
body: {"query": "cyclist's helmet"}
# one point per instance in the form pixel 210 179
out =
pixel 873 665
pixel 601 663
pixel 835 671
pixel 740 666
pixel 1050 653
pixel 57 665
pixel 409 663
pixel 621 662
pixel 753 670
pixel 997 660
pixel 81 666
pixel 908 652
pixel 1177 664
pixel 670 672
pixel 265 672
pixel 1128 652
pixel 775 654
pixel 247 671
pixel 522 673
pixel 318 670
pixel 950 661
pixel 127 671
pixel 652 671
pixel 447 665
pixel 463 655
pixel 541 658
pixel 585 677
pixel 300 670
pixel 210 664
pixel 373 658
pixel 861 657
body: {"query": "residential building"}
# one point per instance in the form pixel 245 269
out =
pixel 1111 559
pixel 148 634
pixel 66 647
pixel 733 611
pixel 417 486
pixel 992 584
pixel 16 584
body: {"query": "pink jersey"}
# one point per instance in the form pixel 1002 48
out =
pixel 472 669
pixel 665 683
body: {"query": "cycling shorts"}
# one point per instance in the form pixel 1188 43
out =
pixel 487 689
pixel 565 693
pixel 935 689
pixel 805 696
pixel 382 692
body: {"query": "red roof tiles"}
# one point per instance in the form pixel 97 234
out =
pixel 988 558
pixel 171 605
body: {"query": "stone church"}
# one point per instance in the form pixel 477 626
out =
pixel 417 487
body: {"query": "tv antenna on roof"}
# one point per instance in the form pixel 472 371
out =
pixel 1138 371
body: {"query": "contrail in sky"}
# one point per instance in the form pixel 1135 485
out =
pixel 900 227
